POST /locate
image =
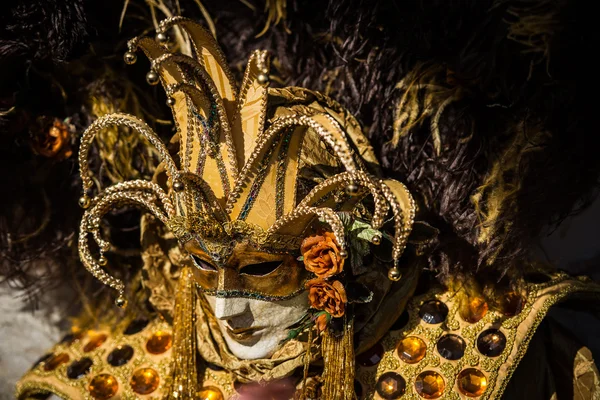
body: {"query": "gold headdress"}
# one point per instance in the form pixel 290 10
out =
pixel 256 164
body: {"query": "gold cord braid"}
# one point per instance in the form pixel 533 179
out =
pixel 344 178
pixel 90 223
pixel 341 148
pixel 140 185
pixel 120 120
pixel 211 202
pixel 190 25
pixel 191 91
pixel 221 112
pixel 401 226
pixel 327 214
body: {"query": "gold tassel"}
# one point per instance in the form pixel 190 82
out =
pixel 184 376
pixel 338 357
pixel 307 360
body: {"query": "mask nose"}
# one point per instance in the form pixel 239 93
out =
pixel 228 308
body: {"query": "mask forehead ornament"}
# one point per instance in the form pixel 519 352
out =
pixel 244 167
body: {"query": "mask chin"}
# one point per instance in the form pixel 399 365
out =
pixel 254 328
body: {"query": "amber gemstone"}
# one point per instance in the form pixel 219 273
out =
pixel 159 342
pixel 79 368
pixel 451 347
pixel 55 361
pixel 475 310
pixel 371 357
pixel 136 326
pixel 430 385
pixel 401 321
pixel 144 381
pixel 40 360
pixel 433 312
pixel 96 340
pixel 390 385
pixel 472 382
pixel 120 355
pixel 512 304
pixel 103 387
pixel 210 393
pixel 69 338
pixel 491 342
pixel 411 349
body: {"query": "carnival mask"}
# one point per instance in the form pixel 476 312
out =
pixel 254 296
pixel 255 170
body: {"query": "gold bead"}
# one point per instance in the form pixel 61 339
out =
pixel 162 37
pixel 170 101
pixel 55 361
pixel 121 302
pixel 96 340
pixel 102 261
pixel 263 78
pixel 178 186
pixel 129 57
pixel 84 201
pixel 152 78
pixel 352 189
pixel 376 240
pixel 394 274
pixel 343 254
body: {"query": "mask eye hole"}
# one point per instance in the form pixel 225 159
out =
pixel 261 269
pixel 203 265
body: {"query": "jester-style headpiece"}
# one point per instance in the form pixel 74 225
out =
pixel 255 164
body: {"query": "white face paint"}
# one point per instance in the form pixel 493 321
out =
pixel 254 328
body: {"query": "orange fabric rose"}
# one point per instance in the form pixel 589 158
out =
pixel 322 255
pixel 326 296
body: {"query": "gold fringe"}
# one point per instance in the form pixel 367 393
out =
pixel 307 359
pixel 338 357
pixel 184 381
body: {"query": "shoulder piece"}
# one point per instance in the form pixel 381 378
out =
pixel 132 361
pixel 434 351
pixel 104 364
